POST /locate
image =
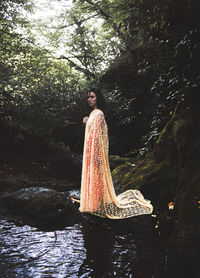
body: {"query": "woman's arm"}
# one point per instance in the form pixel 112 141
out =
pixel 85 119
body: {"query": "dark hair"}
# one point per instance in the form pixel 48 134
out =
pixel 100 98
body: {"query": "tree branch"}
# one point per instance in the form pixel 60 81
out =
pixel 88 73
pixel 86 56
pixel 107 17
pixel 96 6
pixel 72 24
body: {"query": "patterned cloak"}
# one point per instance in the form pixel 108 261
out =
pixel 97 190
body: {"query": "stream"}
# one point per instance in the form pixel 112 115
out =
pixel 79 250
pixel 85 249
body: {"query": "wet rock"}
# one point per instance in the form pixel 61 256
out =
pixel 13 183
pixel 60 185
pixel 9 183
pixel 140 226
pixel 41 206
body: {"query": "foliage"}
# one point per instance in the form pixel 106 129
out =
pixel 159 62
pixel 144 55
pixel 38 92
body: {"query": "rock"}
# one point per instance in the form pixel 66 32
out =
pixel 48 209
pixel 13 182
pixel 171 174
pixel 61 185
pixel 42 207
pixel 140 226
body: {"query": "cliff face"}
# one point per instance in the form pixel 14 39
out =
pixel 172 173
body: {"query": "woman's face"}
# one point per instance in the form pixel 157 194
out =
pixel 92 99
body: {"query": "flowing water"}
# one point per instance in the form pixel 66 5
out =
pixel 80 250
pixel 87 248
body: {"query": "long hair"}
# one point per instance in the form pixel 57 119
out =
pixel 101 104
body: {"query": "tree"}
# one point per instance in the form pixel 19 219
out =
pixel 38 91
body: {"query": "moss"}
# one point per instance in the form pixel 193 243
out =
pixel 126 177
pixel 172 170
pixel 116 160
pixel 146 178
pixel 177 125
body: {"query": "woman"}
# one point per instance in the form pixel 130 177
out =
pixel 97 191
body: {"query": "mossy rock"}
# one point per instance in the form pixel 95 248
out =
pixel 172 170
pixel 116 160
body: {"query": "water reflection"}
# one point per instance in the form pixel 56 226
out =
pixel 98 242
pixel 26 252
pixel 113 254
pixel 88 249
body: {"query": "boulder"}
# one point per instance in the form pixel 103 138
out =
pixel 170 178
pixel 41 206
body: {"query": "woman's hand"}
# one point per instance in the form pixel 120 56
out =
pixel 85 119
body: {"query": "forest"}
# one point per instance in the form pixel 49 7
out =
pixel 144 55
